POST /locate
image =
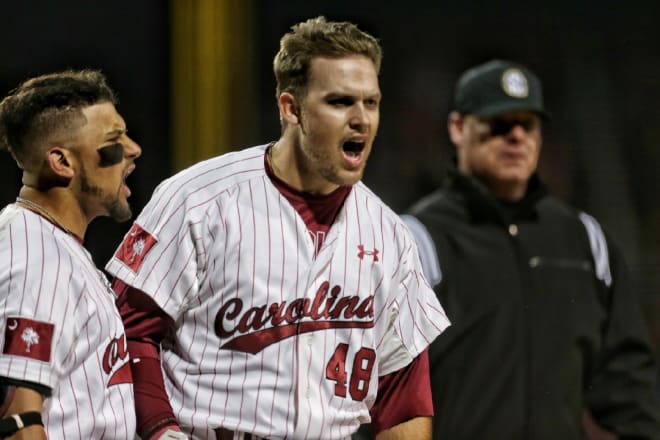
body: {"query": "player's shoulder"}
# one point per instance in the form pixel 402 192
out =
pixel 364 197
pixel 8 215
pixel 28 235
pixel 208 178
pixel 223 170
pixel 17 222
pixel 11 224
pixel 362 192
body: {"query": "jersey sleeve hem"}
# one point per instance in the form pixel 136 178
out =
pixel 21 372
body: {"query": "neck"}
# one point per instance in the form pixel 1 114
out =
pixel 60 208
pixel 509 192
pixel 290 165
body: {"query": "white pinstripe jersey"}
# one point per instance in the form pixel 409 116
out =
pixel 270 338
pixel 60 329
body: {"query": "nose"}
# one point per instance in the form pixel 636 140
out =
pixel 131 149
pixel 359 118
pixel 517 131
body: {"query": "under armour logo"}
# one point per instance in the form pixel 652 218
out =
pixel 362 253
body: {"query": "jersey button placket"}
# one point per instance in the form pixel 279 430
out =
pixel 310 341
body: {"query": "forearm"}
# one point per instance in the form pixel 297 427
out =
pixel 34 432
pixel 26 400
pixel 146 324
pixel 152 407
pixel 418 428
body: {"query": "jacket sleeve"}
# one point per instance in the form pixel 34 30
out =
pixel 620 391
pixel 428 253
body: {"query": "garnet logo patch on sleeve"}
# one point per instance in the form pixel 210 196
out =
pixel 135 246
pixel 28 338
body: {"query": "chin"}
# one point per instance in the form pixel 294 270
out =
pixel 349 181
pixel 351 177
pixel 120 211
pixel 515 175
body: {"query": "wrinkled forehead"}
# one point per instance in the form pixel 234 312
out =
pixel 102 125
pixel 355 73
pixel 103 116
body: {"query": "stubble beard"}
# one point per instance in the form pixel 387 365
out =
pixel 116 210
pixel 329 168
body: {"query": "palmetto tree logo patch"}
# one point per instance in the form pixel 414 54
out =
pixel 135 246
pixel 28 338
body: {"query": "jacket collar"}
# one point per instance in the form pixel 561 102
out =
pixel 483 206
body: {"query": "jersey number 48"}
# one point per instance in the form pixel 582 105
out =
pixel 363 365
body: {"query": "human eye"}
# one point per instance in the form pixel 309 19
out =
pixel 372 102
pixel 341 101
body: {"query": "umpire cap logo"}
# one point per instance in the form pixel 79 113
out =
pixel 514 83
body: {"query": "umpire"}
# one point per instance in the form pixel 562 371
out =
pixel 547 340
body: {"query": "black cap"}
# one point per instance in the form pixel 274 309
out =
pixel 498 87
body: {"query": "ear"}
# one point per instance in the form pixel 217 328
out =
pixel 455 127
pixel 289 108
pixel 59 163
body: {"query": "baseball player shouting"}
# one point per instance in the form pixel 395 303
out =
pixel 64 361
pixel 283 298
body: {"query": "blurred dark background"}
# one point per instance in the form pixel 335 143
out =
pixel 194 79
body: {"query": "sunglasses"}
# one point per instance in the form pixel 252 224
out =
pixel 500 126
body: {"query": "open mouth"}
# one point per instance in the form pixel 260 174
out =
pixel 123 180
pixel 128 171
pixel 353 148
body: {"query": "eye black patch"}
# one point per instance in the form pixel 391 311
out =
pixel 111 155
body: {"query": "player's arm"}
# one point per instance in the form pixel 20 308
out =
pixel 404 406
pixel 418 428
pixel 146 324
pixel 22 419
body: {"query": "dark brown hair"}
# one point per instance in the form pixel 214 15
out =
pixel 46 105
pixel 317 37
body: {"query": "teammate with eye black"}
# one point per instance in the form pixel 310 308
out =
pixel 64 362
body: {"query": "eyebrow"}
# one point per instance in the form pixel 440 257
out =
pixel 353 95
pixel 115 132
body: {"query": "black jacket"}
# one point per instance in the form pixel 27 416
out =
pixel 544 322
